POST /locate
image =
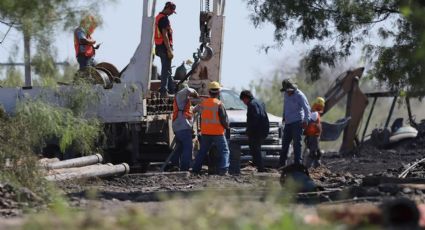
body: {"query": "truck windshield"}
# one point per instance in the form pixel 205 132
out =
pixel 231 100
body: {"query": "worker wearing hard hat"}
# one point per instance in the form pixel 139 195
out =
pixel 312 133
pixel 296 114
pixel 183 126
pixel 164 47
pixel 214 123
pixel 84 44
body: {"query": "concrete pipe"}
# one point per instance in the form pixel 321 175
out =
pixel 76 162
pixel 45 161
pixel 92 172
pixel 70 170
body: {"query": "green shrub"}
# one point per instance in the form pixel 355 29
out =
pixel 44 122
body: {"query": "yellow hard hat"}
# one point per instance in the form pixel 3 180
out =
pixel 214 86
pixel 320 101
pixel 319 104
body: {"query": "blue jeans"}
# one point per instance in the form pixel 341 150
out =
pixel 183 152
pixel 84 61
pixel 291 132
pixel 206 142
pixel 167 83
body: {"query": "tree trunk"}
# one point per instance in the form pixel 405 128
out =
pixel 27 59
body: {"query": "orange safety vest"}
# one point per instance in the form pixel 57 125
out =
pixel 88 49
pixel 158 35
pixel 312 128
pixel 210 120
pixel 186 111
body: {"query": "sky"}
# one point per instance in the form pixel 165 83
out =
pixel 120 34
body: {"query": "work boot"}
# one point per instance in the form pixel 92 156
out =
pixel 316 163
pixel 223 172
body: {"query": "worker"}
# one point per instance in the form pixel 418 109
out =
pixel 183 126
pixel 164 47
pixel 214 122
pixel 296 114
pixel 257 129
pixel 312 133
pixel 84 44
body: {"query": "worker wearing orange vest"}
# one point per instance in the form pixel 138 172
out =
pixel 164 47
pixel 214 123
pixel 182 127
pixel 84 44
pixel 312 133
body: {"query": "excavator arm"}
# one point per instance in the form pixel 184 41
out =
pixel 348 85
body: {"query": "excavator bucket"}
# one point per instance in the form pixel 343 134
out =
pixel 332 131
pixel 347 84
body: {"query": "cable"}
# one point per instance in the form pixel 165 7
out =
pixel 7 32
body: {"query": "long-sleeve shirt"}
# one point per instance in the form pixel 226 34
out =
pixel 295 107
pixel 182 123
pixel 257 119
pixel 222 115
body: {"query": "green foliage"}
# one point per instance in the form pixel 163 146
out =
pixel 14 78
pixel 267 90
pixel 44 122
pixel 80 97
pixel 336 27
pixel 18 164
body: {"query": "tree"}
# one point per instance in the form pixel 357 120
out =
pixel 391 33
pixel 268 89
pixel 38 21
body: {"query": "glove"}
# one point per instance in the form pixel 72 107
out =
pixel 170 54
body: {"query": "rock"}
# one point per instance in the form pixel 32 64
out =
pixel 407 190
pixel 27 195
pixel 389 188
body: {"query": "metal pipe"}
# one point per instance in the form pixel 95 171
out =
pixel 409 112
pixel 100 171
pixel 76 162
pixel 368 118
pixel 391 112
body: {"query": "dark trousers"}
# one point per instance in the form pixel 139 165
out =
pixel 84 61
pixel 184 147
pixel 313 159
pixel 291 132
pixel 167 84
pixel 255 151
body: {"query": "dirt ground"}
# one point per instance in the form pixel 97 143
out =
pixel 340 179
pixel 338 173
